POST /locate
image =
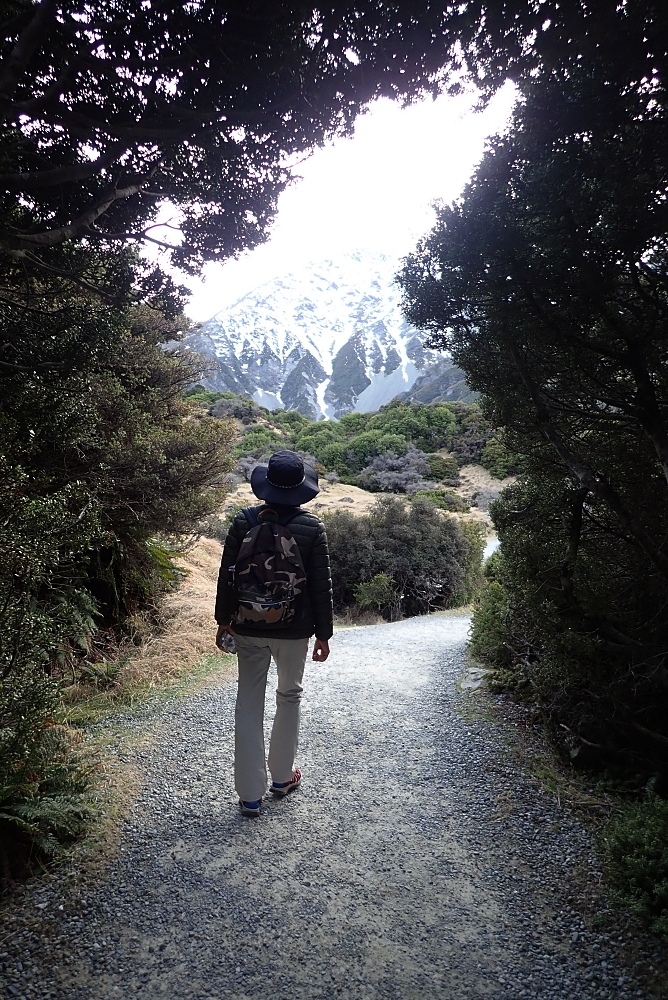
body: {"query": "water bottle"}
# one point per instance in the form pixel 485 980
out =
pixel 226 643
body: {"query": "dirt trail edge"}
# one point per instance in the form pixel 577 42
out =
pixel 417 858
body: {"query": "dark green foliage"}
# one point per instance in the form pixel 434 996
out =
pixel 102 459
pixel 226 404
pixel 351 446
pixel 353 423
pixel 471 433
pixel 431 560
pixel 444 500
pixel 490 631
pixel 548 282
pixel 636 844
pixel 291 421
pixel 498 460
pixel 197 105
pixel 443 468
pixel 428 427
pixel 206 397
pixel 259 440
pixel 202 105
pixel 379 594
pixel 46 801
pixel 316 437
pixel 579 639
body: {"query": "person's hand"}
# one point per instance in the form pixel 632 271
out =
pixel 222 629
pixel 321 650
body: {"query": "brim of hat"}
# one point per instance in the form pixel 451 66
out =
pixel 293 497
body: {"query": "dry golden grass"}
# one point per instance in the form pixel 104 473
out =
pixel 188 627
pixel 174 644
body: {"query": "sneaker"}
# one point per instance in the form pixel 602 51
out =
pixel 250 808
pixel 282 788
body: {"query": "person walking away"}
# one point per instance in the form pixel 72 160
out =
pixel 274 593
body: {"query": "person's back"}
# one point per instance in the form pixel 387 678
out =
pixel 314 611
pixel 284 484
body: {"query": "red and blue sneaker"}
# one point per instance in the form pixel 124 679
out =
pixel 283 788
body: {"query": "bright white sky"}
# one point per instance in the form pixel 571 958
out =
pixel 373 191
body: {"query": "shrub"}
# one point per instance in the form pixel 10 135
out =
pixel 42 545
pixel 380 593
pixel 228 405
pixel 257 441
pixel 102 456
pixel 353 423
pixel 581 634
pixel 364 446
pixel 636 844
pixel 489 627
pixel 444 500
pixel 316 437
pixel 497 459
pixel 335 456
pixel 392 473
pixel 428 555
pixel 291 421
pixel 427 426
pixel 443 468
pixel 206 397
pixel 470 434
pixel 469 588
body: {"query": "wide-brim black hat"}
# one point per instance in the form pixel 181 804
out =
pixel 286 479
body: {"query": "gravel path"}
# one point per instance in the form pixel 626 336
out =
pixel 416 858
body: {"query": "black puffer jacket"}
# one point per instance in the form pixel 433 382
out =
pixel 315 614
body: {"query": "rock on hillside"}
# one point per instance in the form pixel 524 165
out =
pixel 324 340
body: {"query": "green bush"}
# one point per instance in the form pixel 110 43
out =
pixel 433 560
pixel 315 436
pixel 380 594
pixel 103 458
pixel 291 421
pixel 428 427
pixel 471 584
pixel 497 459
pixel 45 618
pixel 489 628
pixel 354 423
pixel 258 441
pixel 366 445
pixel 347 446
pixel 579 637
pixel 205 397
pixel 443 468
pixel 471 433
pixel 335 456
pixel 444 500
pixel 636 844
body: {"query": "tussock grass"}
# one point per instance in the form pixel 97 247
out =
pixel 176 641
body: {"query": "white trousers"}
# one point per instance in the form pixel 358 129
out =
pixel 250 767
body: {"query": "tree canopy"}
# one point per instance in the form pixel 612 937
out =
pixel 110 109
pixel 548 281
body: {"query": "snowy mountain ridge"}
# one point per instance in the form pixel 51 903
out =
pixel 325 339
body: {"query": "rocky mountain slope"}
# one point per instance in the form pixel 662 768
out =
pixel 326 339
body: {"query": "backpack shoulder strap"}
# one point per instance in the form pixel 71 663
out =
pixel 250 513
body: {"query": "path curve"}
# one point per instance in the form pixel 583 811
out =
pixel 417 858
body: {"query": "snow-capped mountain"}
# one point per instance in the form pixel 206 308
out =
pixel 326 339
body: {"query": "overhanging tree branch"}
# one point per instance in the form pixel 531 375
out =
pixel 49 238
pixel 15 64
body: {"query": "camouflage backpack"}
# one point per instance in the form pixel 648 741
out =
pixel 268 576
